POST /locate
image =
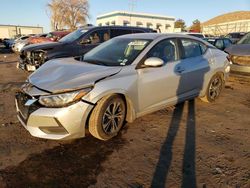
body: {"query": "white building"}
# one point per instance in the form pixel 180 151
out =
pixel 163 23
pixel 10 31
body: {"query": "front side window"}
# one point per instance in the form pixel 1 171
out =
pixel 73 36
pixel 99 36
pixel 192 48
pixel 165 50
pixel 116 52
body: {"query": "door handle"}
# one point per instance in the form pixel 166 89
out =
pixel 179 69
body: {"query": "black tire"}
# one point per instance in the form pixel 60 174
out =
pixel 108 117
pixel 215 86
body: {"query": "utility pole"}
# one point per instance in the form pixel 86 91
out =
pixel 132 5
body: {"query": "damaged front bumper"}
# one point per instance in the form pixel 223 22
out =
pixel 52 123
pixel 30 61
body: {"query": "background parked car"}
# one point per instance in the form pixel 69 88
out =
pixel 235 36
pixel 50 37
pixel 220 43
pixel 19 42
pixel 239 55
pixel 76 43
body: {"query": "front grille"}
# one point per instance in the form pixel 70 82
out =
pixel 36 58
pixel 25 111
pixel 241 60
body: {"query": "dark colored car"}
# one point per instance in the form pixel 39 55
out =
pixel 74 44
pixel 235 36
pixel 239 55
pixel 220 43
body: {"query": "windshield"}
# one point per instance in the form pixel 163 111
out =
pixel 245 39
pixel 73 36
pixel 116 52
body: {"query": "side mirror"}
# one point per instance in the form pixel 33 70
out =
pixel 85 41
pixel 153 62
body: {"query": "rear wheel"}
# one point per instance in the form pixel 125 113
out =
pixel 214 89
pixel 108 117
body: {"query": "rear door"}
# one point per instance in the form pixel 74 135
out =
pixel 192 68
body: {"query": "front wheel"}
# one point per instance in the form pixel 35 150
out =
pixel 108 117
pixel 214 89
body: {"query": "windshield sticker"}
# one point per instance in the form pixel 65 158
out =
pixel 84 31
pixel 138 43
pixel 123 62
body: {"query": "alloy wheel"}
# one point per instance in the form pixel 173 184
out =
pixel 112 118
pixel 215 88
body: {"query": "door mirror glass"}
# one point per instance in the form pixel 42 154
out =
pixel 153 62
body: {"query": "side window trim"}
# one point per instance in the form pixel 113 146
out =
pixel 177 51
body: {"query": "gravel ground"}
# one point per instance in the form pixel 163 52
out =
pixel 193 144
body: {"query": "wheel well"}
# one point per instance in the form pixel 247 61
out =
pixel 221 75
pixel 129 109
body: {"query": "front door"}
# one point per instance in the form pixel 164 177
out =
pixel 95 38
pixel 158 86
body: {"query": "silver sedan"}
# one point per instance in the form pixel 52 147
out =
pixel 117 82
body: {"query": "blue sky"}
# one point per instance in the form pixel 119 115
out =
pixel 33 12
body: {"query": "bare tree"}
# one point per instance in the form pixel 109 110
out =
pixel 56 13
pixel 68 13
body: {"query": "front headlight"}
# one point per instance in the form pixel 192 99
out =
pixel 63 99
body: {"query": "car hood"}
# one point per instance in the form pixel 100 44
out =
pixel 60 75
pixel 42 46
pixel 239 50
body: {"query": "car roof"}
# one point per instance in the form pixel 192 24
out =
pixel 117 27
pixel 154 36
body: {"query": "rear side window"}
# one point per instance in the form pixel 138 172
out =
pixel 219 44
pixel 192 48
pixel 119 32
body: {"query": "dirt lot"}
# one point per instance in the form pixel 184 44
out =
pixel 194 144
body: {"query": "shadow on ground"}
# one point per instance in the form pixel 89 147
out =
pixel 75 164
pixel 166 153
